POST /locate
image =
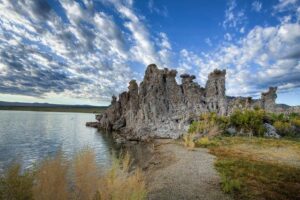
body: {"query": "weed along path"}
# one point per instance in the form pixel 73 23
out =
pixel 175 172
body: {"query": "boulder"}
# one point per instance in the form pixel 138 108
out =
pixel 270 131
pixel 231 130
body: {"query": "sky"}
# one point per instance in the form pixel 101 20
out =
pixel 85 51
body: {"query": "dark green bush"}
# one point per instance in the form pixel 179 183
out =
pixel 250 121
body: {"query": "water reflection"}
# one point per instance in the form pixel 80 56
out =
pixel 27 137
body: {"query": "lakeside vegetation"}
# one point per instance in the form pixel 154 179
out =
pixel 55 109
pixel 251 166
pixel 80 178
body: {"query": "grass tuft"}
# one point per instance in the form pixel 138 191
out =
pixel 85 174
pixel 230 185
pixel 51 179
pixel 14 185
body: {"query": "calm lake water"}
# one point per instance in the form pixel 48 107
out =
pixel 27 137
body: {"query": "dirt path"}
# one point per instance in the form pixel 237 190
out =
pixel 177 173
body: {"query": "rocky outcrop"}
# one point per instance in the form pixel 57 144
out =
pixel 268 99
pixel 215 92
pixel 271 131
pixel 161 108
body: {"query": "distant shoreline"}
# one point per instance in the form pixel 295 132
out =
pixel 54 109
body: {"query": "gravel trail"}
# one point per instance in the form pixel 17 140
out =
pixel 177 173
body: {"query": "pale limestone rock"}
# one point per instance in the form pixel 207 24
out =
pixel 268 99
pixel 215 92
pixel 271 131
pixel 161 108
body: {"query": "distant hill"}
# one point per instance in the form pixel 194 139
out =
pixel 50 107
pixel 5 103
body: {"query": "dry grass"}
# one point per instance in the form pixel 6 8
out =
pixel 126 162
pixel 57 179
pixel 51 180
pixel 268 150
pixel 214 131
pixel 257 168
pixel 85 174
pixel 115 185
pixel 189 141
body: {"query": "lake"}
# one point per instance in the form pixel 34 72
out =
pixel 27 137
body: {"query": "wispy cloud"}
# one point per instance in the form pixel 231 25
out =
pixel 234 17
pixel 256 6
pixel 163 11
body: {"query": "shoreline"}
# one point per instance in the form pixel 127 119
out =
pixel 46 109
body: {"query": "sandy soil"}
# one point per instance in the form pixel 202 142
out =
pixel 174 172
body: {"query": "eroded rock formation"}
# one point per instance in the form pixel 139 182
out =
pixel 159 107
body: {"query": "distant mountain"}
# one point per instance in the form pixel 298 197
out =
pixel 47 105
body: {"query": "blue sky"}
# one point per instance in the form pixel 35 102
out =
pixel 84 51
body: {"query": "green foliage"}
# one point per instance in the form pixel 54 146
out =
pixel 14 185
pixel 250 121
pixel 223 122
pixel 294 116
pixel 230 185
pixel 205 123
pixel 273 117
pixel 283 128
pixel 200 131
pixel 247 122
pixel 296 122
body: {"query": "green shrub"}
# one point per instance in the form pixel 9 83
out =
pixel 296 122
pixel 250 121
pixel 273 117
pixel 284 128
pixel 223 122
pixel 207 126
pixel 294 116
pixel 203 126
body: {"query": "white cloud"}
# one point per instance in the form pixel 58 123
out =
pixel 266 56
pixel 227 37
pixel 283 5
pixel 256 6
pixel 86 57
pixel 291 9
pixel 77 60
pixel 208 42
pixel 163 11
pixel 234 18
pixel 144 49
